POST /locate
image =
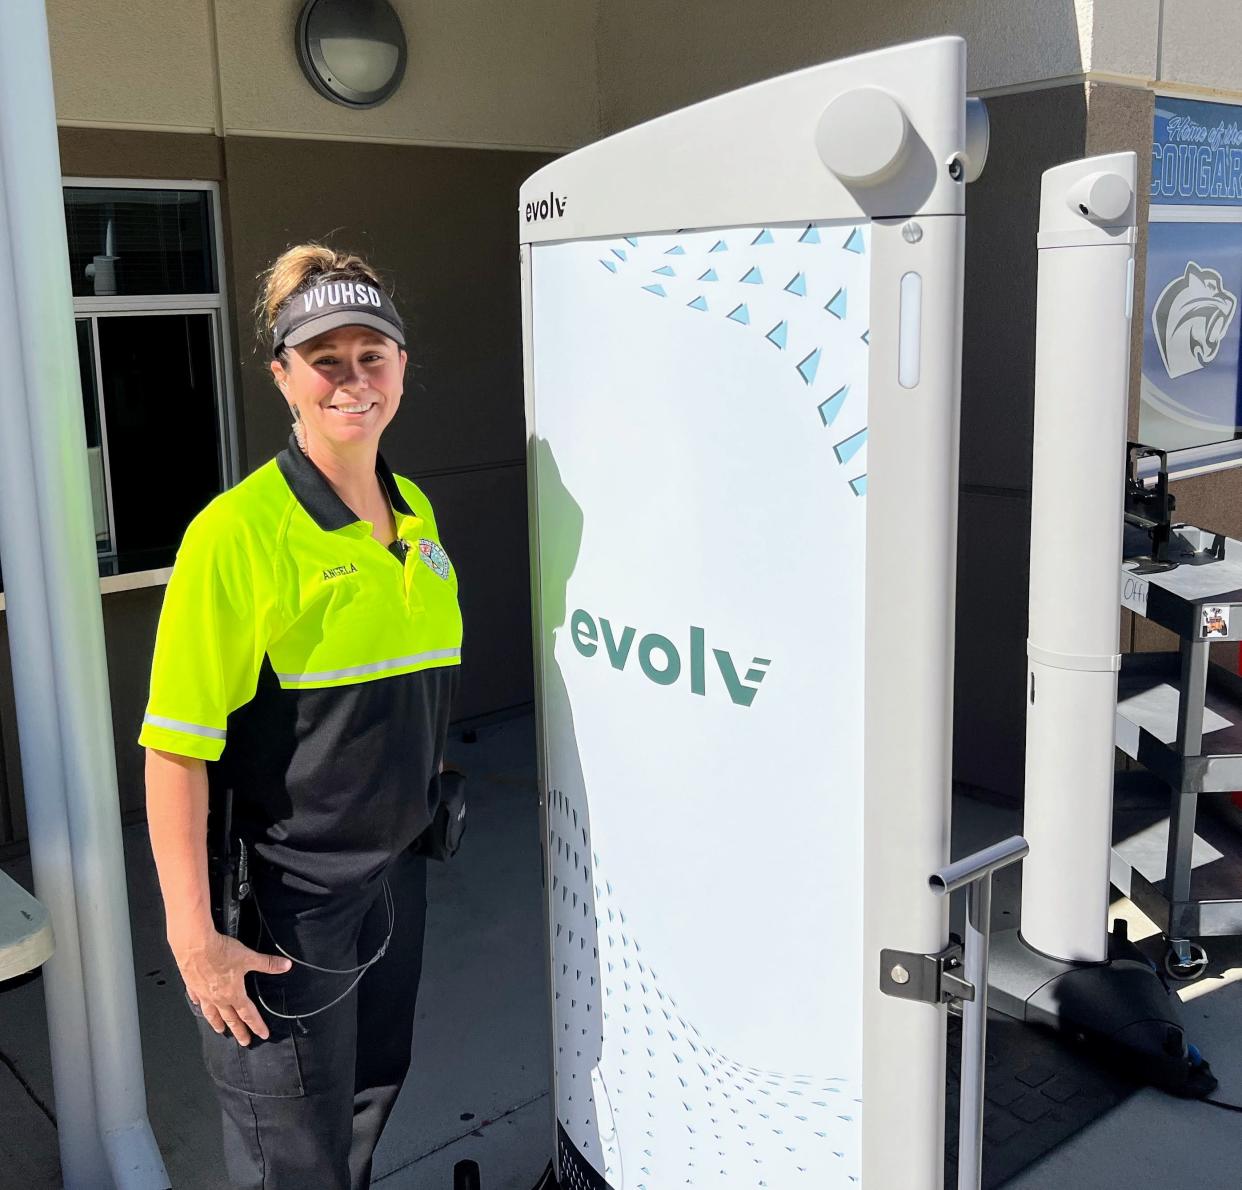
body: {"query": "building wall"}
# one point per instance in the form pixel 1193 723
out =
pixel 1198 44
pixel 655 56
pixel 1031 132
pixel 479 72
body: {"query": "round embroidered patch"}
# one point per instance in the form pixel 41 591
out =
pixel 434 556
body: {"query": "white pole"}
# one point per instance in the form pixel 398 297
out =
pixel 82 1160
pixel 1082 365
pixel 57 444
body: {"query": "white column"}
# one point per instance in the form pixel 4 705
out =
pixel 1082 365
pixel 82 1159
pixel 60 504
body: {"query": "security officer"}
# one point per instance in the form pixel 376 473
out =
pixel 303 674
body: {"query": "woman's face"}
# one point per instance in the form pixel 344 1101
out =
pixel 346 383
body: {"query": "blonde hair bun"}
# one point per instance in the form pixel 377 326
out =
pixel 301 267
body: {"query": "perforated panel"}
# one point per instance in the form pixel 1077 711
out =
pixel 701 431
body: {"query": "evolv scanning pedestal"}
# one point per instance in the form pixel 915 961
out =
pixel 1062 968
pixel 742 340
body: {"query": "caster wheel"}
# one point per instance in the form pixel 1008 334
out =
pixel 1185 972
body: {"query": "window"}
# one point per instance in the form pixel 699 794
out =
pixel 152 350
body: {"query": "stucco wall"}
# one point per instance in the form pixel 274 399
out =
pixel 141 62
pixel 1199 43
pixel 1179 43
pixel 479 72
pixel 554 74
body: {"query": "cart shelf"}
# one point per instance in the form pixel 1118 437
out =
pixel 1148 700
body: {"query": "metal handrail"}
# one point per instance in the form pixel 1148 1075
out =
pixel 974 867
pixel 974 873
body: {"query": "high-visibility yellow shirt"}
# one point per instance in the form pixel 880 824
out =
pixel 312 666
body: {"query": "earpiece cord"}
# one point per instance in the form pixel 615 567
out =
pixel 358 972
pixel 375 958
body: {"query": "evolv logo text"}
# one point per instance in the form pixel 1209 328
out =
pixel 661 661
pixel 546 208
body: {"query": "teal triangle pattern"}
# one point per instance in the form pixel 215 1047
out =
pixel 778 335
pixel 719 246
pixel 619 253
pixel 632 241
pixel 710 275
pixel 832 406
pixel 810 236
pixel 740 314
pixel 837 304
pixel 699 303
pixel 676 250
pixel 809 366
pixel 612 268
pixel 753 277
pixel 856 243
pixel 764 237
pixel 658 290
pixel 847 448
pixel 797 285
pixel 859 485
pixel 665 271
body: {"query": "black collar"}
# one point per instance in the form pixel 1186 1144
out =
pixel 317 496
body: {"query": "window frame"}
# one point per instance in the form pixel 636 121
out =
pixel 214 304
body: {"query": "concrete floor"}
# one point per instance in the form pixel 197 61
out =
pixel 480 1083
pixel 479 1087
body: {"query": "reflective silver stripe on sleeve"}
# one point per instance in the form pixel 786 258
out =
pixel 212 733
pixel 375 667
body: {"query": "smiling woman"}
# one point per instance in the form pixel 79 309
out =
pixel 300 696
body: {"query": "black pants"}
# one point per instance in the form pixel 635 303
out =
pixel 305 1108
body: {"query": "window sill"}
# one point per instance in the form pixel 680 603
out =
pixel 134 580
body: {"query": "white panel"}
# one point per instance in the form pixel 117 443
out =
pixel 705 809
pixel 911 564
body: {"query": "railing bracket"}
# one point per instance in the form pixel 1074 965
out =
pixel 928 978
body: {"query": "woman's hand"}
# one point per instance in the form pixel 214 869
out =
pixel 214 971
pixel 212 965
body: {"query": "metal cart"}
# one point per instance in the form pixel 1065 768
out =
pixel 1180 717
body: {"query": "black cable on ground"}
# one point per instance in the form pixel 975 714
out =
pixel 1221 1103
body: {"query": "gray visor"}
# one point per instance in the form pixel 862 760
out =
pixel 334 304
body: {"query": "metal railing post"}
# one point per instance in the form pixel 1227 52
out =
pixel 974 873
pixel 974 1035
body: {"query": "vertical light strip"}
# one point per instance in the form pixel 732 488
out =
pixel 910 331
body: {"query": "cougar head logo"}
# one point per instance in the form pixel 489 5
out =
pixel 1191 318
